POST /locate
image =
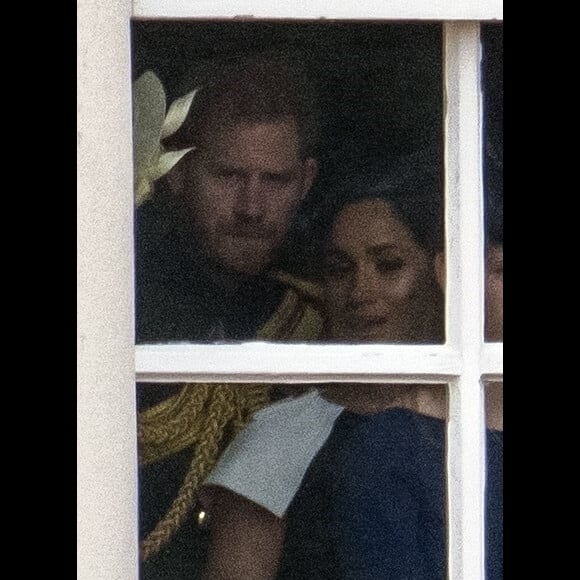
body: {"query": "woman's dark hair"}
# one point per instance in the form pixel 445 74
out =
pixel 411 184
pixel 493 187
pixel 412 187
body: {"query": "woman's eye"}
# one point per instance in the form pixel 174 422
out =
pixel 393 265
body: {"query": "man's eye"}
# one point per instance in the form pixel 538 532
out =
pixel 279 178
pixel 335 268
pixel 227 174
pixel 386 266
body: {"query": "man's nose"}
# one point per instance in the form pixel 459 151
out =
pixel 250 203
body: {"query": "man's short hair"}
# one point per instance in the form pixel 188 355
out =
pixel 257 88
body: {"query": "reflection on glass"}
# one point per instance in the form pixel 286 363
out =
pixel 231 223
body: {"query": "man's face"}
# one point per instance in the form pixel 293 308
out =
pixel 245 183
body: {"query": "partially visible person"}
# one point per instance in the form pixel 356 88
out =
pixel 494 307
pixel 210 240
pixel 209 267
pixel 494 272
pixel 348 481
pixel 494 389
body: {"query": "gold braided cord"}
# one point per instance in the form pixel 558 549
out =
pixel 172 425
pixel 299 314
pixel 205 451
pixel 200 415
pixel 205 416
pixel 225 403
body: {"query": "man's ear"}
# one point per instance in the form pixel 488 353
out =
pixel 310 173
pixel 440 270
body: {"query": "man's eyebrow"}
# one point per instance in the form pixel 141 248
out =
pixel 213 162
pixel 217 165
pixel 281 171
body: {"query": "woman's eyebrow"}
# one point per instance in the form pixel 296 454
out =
pixel 375 251
pixel 378 249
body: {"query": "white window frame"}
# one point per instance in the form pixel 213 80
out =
pixel 108 361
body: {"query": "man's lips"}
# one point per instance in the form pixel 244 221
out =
pixel 367 322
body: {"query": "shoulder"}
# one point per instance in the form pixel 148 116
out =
pixel 306 289
pixel 267 461
pixel 300 314
pixel 288 413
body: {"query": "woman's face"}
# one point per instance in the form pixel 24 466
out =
pixel 494 294
pixel 380 284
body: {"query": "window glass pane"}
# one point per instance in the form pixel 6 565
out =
pixel 310 205
pixel 492 38
pixel 327 481
pixel 494 480
pixel 182 430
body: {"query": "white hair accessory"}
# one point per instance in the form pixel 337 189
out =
pixel 150 125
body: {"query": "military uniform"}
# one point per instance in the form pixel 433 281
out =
pixel 176 301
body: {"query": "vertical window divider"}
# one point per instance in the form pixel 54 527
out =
pixel 464 302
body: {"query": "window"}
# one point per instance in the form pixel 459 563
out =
pixel 107 508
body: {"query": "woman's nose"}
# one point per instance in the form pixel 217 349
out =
pixel 362 286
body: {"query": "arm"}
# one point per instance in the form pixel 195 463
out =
pixel 245 539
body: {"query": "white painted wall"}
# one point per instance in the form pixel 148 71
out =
pixel 106 456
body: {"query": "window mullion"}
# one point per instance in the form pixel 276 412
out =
pixel 464 206
pixel 275 362
pixel 492 360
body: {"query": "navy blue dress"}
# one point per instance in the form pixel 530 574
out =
pixel 372 504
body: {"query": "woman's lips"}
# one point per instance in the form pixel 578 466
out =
pixel 366 326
